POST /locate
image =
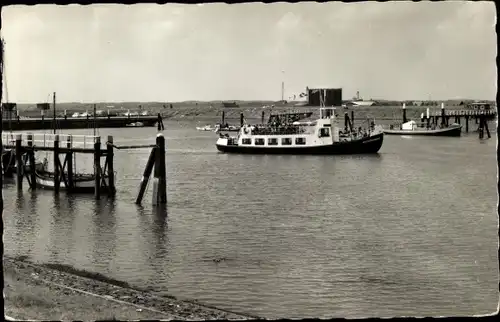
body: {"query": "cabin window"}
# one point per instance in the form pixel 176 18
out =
pixel 272 141
pixel 300 141
pixel 246 141
pixel 286 141
pixel 259 141
pixel 324 132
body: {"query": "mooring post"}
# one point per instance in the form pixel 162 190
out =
pixel 486 128
pixel 146 175
pixel 404 113
pixel 57 174
pixel 97 167
pixel 111 167
pixel 31 155
pixel 69 161
pixel 352 120
pixel 481 128
pixel 223 119
pixel 443 115
pixel 466 123
pixel 262 117
pixel 241 119
pixel 160 173
pixel 346 121
pixel 19 162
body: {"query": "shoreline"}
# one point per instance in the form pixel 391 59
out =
pixel 60 292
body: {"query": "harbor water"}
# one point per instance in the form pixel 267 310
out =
pixel 410 231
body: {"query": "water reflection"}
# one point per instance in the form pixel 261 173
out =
pixel 154 244
pixel 62 217
pixel 104 237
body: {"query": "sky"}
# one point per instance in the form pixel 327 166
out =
pixel 179 52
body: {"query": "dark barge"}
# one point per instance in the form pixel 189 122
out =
pixel 26 124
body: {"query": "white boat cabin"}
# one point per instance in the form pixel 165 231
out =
pixel 409 126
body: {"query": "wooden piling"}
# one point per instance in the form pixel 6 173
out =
pixel 352 119
pixel 404 113
pixel 146 175
pixel 111 168
pixel 57 174
pixel 241 119
pixel 485 124
pixel 19 162
pixel 31 155
pixel 97 167
pixel 223 119
pixel 160 173
pixel 443 115
pixel 466 123
pixel 262 118
pixel 481 129
pixel 69 163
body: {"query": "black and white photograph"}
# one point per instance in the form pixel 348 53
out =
pixel 243 161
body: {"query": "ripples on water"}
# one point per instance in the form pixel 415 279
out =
pixel 412 231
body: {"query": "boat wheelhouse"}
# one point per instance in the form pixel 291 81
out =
pixel 321 136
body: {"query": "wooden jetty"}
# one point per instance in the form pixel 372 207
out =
pixel 63 176
pixel 442 119
pixel 42 123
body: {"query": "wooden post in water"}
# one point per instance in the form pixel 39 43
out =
pixel 19 162
pixel 480 128
pixel 97 167
pixel 160 173
pixel 146 175
pixel 69 164
pixel 31 155
pixel 241 119
pixel 404 113
pixel 57 174
pixel 262 117
pixel 223 119
pixel 443 115
pixel 467 123
pixel 111 167
pixel 352 119
pixel 487 129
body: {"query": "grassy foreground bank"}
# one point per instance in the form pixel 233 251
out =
pixel 58 292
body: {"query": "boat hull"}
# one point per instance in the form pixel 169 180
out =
pixel 368 145
pixel 450 131
pixel 82 184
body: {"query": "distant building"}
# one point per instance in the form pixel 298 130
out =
pixel 333 96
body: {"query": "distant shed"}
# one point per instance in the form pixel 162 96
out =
pixel 333 96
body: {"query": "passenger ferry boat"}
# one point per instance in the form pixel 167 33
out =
pixel 322 136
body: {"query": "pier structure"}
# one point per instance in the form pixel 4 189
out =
pixel 442 118
pixel 67 147
pixel 19 123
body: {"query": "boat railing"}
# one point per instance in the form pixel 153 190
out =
pixel 47 139
pixel 289 130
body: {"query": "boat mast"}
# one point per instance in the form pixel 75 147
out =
pixel 54 116
pixel 283 87
pixel 95 122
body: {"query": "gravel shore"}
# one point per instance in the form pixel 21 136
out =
pixel 33 291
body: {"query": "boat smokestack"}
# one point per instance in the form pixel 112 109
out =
pixel 404 113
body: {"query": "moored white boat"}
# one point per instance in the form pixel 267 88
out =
pixel 84 183
pixel 412 128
